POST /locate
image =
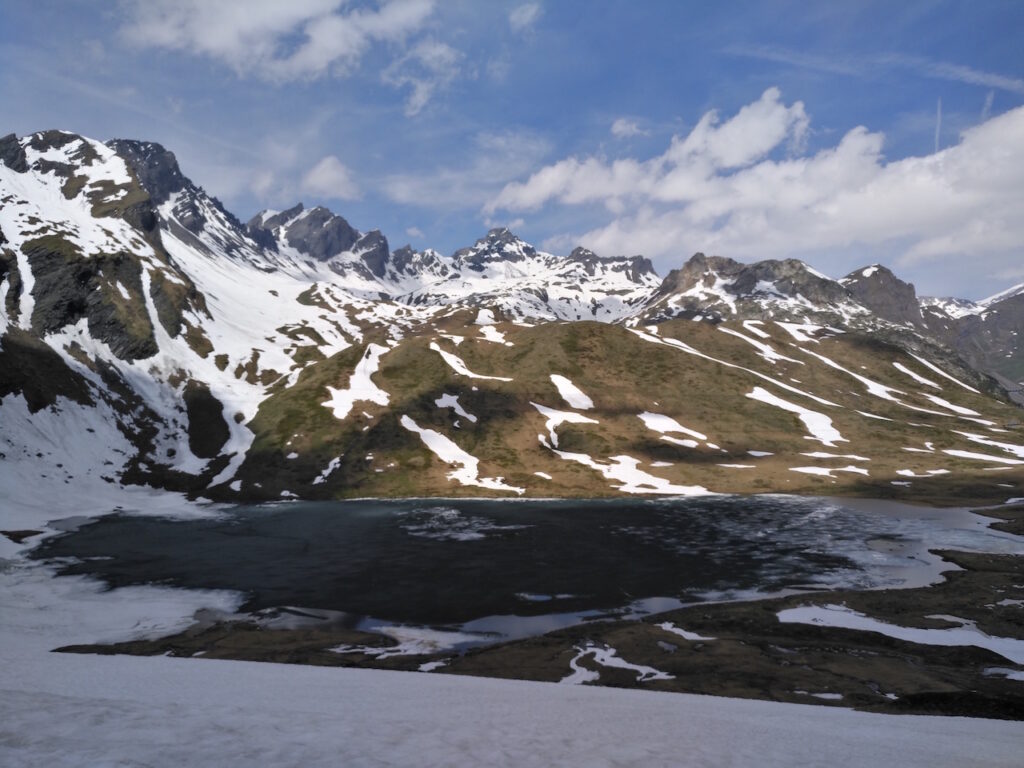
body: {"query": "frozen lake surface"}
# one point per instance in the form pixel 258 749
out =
pixel 500 569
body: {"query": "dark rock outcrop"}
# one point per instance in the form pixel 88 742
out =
pixel 31 368
pixel 12 154
pixel 155 167
pixel 635 267
pixel 498 245
pixel 68 288
pixel 373 252
pixel 318 233
pixel 207 431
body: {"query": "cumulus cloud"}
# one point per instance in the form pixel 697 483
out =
pixel 678 175
pixel 523 17
pixel 623 128
pixel 330 179
pixel 746 188
pixel 275 41
pixel 429 67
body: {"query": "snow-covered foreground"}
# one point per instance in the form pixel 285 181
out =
pixel 84 710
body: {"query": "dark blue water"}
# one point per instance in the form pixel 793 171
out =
pixel 443 562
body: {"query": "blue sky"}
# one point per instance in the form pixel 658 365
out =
pixel 840 133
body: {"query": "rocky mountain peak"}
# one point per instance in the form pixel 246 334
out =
pixel 372 250
pixel 315 232
pixel 636 268
pixel 499 244
pixel 878 289
pixel 156 168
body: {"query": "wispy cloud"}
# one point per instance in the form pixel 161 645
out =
pixel 870 64
pixel 428 68
pixel 938 124
pixel 623 128
pixel 523 17
pixel 986 108
pixel 330 179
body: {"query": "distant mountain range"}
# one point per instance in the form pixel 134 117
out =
pixel 147 335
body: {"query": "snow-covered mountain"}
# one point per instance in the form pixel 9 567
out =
pixel 147 335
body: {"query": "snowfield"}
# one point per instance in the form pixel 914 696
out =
pixel 75 710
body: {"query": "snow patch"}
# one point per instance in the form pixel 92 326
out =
pixel 556 418
pixel 818 424
pixel 467 472
pixel 456 364
pixel 360 385
pixel 915 376
pixel 452 401
pixel 572 394
pixel 660 423
pixel 607 656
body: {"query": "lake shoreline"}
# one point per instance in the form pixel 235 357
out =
pixel 752 655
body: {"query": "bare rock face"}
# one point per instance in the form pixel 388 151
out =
pixel 373 252
pixel 317 233
pixel 12 154
pixel 892 299
pixel 993 340
pixel 635 267
pixel 68 288
pixel 155 167
pixel 720 287
pixel 498 245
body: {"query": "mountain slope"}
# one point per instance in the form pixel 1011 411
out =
pixel 149 336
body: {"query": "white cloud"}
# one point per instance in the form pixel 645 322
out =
pixel 330 179
pixel 415 232
pixel 725 188
pixel 623 128
pixel 269 39
pixel 429 67
pixel 523 17
pixel 678 175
